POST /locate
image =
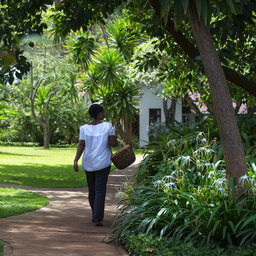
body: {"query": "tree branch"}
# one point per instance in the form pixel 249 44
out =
pixel 231 75
pixel 32 98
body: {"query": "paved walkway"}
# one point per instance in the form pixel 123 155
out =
pixel 64 226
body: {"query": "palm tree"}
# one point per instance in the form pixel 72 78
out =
pixel 105 73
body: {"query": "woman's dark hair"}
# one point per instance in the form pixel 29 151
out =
pixel 94 110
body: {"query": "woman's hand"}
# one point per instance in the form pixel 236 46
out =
pixel 76 168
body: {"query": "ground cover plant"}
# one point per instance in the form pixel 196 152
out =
pixel 1 248
pixel 17 201
pixel 37 167
pixel 149 244
pixel 181 193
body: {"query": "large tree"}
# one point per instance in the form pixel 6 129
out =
pixel 166 14
pixel 25 18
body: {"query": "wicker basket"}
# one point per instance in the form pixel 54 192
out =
pixel 123 157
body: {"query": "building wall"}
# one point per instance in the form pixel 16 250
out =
pixel 151 101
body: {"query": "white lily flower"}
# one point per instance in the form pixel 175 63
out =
pixel 157 183
pixel 120 195
pixel 170 185
pixel 244 179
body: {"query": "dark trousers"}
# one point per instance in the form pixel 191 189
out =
pixel 97 185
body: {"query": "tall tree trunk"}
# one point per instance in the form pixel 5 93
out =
pixel 222 104
pixel 173 109
pixel 45 124
pixel 166 112
pixel 169 113
pixel 46 136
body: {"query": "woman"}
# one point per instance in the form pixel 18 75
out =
pixel 95 140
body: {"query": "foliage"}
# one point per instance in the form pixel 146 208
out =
pixel 124 35
pixel 82 13
pixel 68 111
pixel 125 102
pixel 18 201
pixel 158 130
pixel 13 28
pixel 105 65
pixel 180 140
pixel 110 67
pixel 17 144
pixel 149 244
pixel 248 133
pixel 183 194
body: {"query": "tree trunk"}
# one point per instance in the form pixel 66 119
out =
pixel 166 112
pixel 169 113
pixel 46 136
pixel 222 104
pixel 173 109
pixel 192 105
pixel 45 124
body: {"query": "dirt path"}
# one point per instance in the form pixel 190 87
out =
pixel 64 226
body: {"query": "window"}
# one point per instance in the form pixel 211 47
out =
pixel 154 115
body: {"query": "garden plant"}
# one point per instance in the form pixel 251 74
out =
pixel 181 194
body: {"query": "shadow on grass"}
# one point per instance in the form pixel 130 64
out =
pixel 18 154
pixel 40 175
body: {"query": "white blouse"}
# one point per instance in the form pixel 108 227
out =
pixel 97 151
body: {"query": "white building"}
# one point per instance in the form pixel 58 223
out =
pixel 151 110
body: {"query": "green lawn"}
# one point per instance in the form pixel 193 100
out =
pixel 1 248
pixel 39 167
pixel 17 201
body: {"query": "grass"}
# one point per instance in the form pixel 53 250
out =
pixel 17 201
pixel 40 167
pixel 1 248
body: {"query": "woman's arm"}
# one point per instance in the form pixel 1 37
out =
pixel 112 140
pixel 79 152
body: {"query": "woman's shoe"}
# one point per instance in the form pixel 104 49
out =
pixel 98 223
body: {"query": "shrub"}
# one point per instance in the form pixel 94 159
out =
pixel 22 144
pixel 149 244
pixel 187 198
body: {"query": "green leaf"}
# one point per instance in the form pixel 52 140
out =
pixel 231 5
pixel 215 226
pixel 177 11
pixel 224 230
pixel 185 5
pixel 251 219
pixel 199 7
pixel 164 7
pixel 245 238
pixel 205 11
pixel 231 224
pixel 211 217
pixel 232 187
